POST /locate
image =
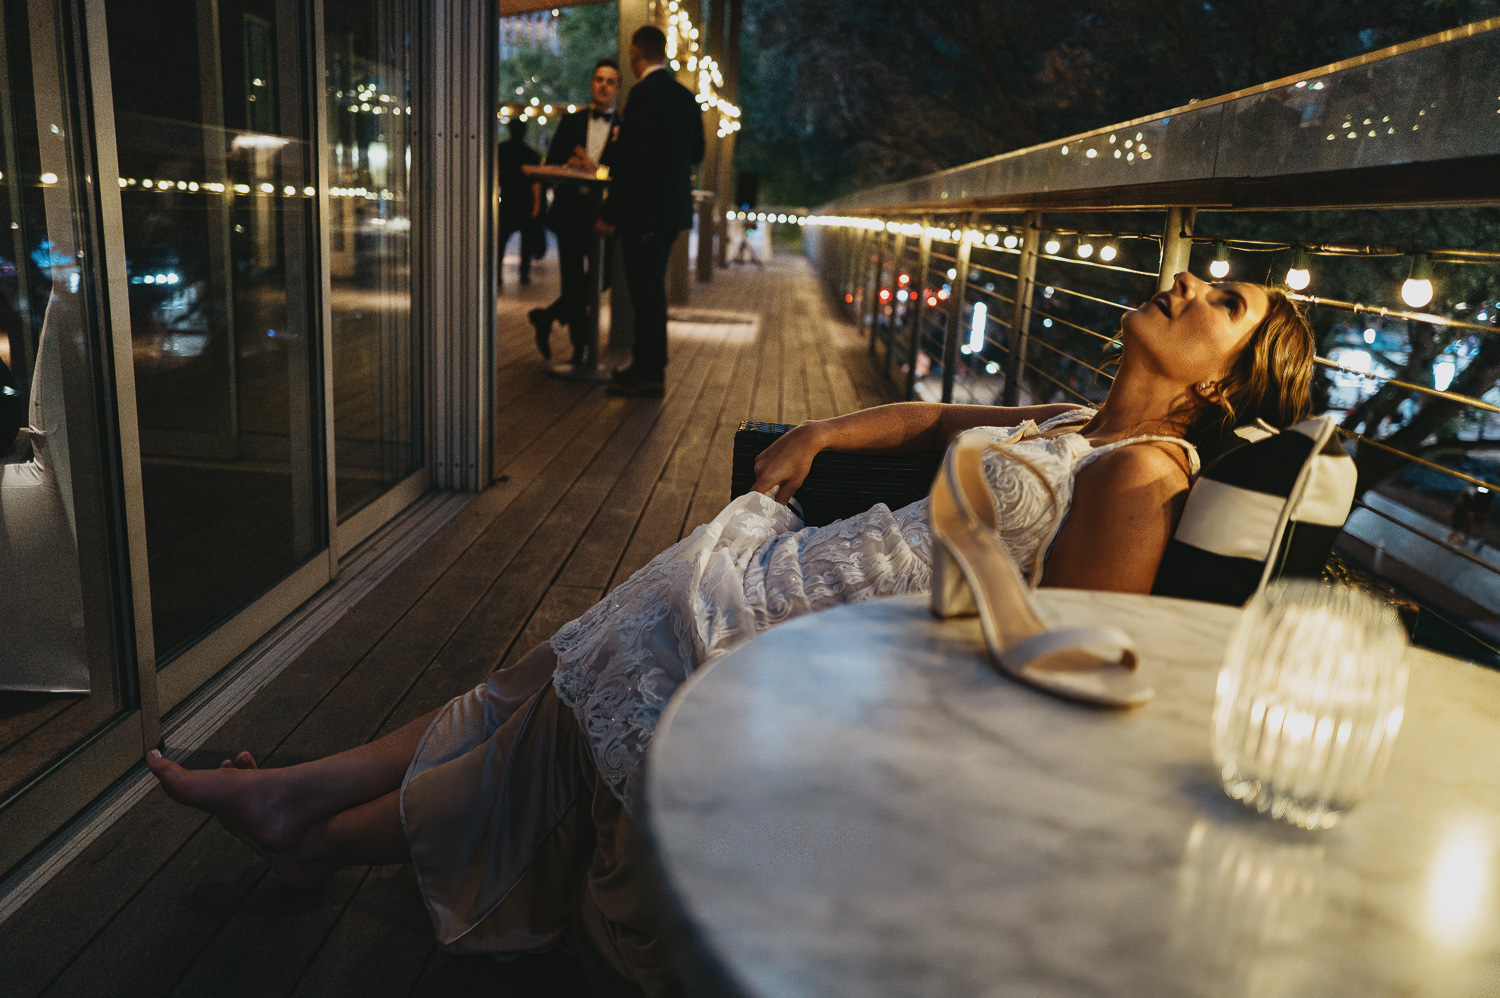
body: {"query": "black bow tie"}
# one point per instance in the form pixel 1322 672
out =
pixel 596 115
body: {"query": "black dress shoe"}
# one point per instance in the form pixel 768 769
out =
pixel 632 383
pixel 542 323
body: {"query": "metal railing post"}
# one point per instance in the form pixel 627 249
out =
pixel 919 284
pixel 854 270
pixel 956 294
pixel 1020 325
pixel 1176 245
pixel 874 284
pixel 897 255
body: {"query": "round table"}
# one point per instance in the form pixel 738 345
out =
pixel 857 803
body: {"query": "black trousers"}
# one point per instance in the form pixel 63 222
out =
pixel 571 306
pixel 510 224
pixel 645 257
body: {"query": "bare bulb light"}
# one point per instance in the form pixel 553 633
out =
pixel 1052 246
pixel 1107 252
pixel 1085 250
pixel 1299 276
pixel 1220 267
pixel 1417 291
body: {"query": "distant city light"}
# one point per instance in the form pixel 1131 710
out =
pixel 1442 373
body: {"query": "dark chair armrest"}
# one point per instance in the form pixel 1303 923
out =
pixel 841 483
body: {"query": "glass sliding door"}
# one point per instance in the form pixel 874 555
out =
pixel 66 679
pixel 377 398
pixel 215 175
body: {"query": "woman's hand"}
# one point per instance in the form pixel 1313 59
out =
pixel 781 468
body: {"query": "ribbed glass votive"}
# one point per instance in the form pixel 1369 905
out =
pixel 1309 702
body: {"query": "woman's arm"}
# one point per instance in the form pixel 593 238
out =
pixel 901 426
pixel 1125 507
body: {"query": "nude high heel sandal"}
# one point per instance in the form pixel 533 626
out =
pixel 972 573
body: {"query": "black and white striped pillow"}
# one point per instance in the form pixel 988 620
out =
pixel 1268 508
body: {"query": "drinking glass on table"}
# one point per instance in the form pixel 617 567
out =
pixel 1309 701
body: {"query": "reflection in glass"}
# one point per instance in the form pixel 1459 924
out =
pixel 59 662
pixel 217 208
pixel 376 394
pixel 1246 907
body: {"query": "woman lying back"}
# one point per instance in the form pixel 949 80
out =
pixel 518 801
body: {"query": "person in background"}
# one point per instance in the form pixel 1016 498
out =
pixel 582 141
pixel 520 198
pixel 651 201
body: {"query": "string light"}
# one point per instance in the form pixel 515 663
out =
pixel 1220 267
pixel 1107 252
pixel 1053 245
pixel 1417 291
pixel 1299 276
pixel 1085 250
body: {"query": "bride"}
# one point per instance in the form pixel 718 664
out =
pixel 518 802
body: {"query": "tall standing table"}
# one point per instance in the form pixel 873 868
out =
pixel 592 369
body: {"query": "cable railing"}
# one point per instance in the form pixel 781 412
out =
pixel 1393 252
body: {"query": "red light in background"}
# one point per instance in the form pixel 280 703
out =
pixel 903 280
pixel 885 294
pixel 849 299
pixel 931 300
pixel 943 294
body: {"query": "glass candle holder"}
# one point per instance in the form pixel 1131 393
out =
pixel 1309 701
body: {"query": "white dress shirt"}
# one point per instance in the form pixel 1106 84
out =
pixel 598 135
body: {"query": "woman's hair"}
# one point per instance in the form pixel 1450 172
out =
pixel 1271 379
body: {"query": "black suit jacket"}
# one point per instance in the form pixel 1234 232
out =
pixel 515 187
pixel 570 202
pixel 651 164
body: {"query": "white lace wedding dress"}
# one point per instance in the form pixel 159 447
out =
pixel 756 565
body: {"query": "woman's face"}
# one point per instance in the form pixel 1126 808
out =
pixel 1193 331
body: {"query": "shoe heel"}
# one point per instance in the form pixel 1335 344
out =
pixel 951 595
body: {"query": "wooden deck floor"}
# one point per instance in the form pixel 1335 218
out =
pixel 167 903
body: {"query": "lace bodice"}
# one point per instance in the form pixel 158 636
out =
pixel 755 565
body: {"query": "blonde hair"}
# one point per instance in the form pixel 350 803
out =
pixel 1271 379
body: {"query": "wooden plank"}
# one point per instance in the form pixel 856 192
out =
pixel 711 490
pixel 268 945
pixel 161 928
pixel 561 604
pixel 379 947
pixel 765 402
pixel 659 527
pixel 793 369
pixel 688 456
pixel 594 559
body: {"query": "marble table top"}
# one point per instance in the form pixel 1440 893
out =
pixel 856 803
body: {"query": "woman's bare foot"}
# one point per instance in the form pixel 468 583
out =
pixel 259 805
pixel 295 872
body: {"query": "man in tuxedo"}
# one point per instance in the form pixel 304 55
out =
pixel 582 141
pixel 651 200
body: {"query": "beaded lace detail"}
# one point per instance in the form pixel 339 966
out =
pixel 755 565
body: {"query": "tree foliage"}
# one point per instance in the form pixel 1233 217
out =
pixel 848 93
pixel 585 34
